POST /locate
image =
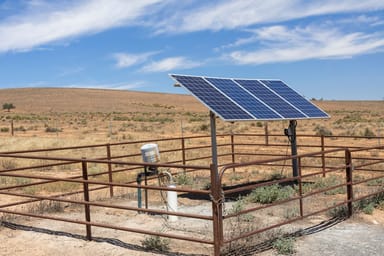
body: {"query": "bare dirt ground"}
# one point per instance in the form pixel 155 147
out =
pixel 360 235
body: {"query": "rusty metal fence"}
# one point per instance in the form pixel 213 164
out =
pixel 44 183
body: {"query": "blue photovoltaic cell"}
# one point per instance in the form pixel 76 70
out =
pixel 244 99
pixel 271 99
pixel 295 99
pixel 213 99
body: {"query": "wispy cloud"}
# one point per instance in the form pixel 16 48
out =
pixel 172 63
pixel 47 21
pixel 124 60
pixel 219 15
pixel 113 86
pixel 283 44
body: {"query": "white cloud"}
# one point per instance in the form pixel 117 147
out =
pixel 168 64
pixel 236 14
pixel 113 86
pixel 281 44
pixel 124 60
pixel 45 22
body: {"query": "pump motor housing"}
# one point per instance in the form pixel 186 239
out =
pixel 150 153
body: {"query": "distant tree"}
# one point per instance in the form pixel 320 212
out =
pixel 8 106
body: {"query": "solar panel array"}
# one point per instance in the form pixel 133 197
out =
pixel 249 99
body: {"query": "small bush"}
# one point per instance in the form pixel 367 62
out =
pixel 183 179
pixel 321 130
pixel 204 127
pixel 20 129
pixel 368 133
pixel 52 129
pixel 270 194
pixel 284 245
pixel 156 243
pixel 368 209
pixel 340 211
pixel 4 129
pixel 8 164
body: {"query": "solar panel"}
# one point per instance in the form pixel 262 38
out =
pixel 274 100
pixel 249 99
pixel 295 99
pixel 220 104
pixel 241 97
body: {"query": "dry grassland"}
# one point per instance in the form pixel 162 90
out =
pixel 51 117
pixel 47 117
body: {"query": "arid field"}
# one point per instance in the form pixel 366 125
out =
pixel 64 117
pixel 57 117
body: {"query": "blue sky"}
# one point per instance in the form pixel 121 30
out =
pixel 330 49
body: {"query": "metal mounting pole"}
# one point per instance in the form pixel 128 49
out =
pixel 213 138
pixel 291 133
pixel 217 208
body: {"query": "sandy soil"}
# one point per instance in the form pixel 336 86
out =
pixel 360 235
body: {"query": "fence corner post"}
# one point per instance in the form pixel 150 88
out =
pixel 86 198
pixel 110 176
pixel 217 210
pixel 348 170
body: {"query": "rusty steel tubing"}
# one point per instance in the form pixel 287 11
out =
pixel 87 209
pixel 348 176
pixel 274 160
pixel 128 208
pixel 251 233
pixel 95 224
pixel 107 183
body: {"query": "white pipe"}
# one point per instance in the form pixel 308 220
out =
pixel 172 202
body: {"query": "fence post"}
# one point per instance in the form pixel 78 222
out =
pixel 233 150
pixel 183 151
pixel 86 199
pixel 110 177
pixel 217 210
pixel 300 188
pixel 12 128
pixel 266 133
pixel 348 170
pixel 323 155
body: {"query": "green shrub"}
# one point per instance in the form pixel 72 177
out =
pixel 269 194
pixel 183 179
pixel 368 209
pixel 368 133
pixel 340 211
pixel 4 129
pixel 285 245
pixel 322 183
pixel 156 243
pixel 52 129
pixel 204 127
pixel 321 130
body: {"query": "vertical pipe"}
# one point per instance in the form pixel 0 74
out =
pixel 86 199
pixel 300 189
pixel 172 202
pixel 348 170
pixel 216 191
pixel 213 138
pixel 183 151
pixel 323 155
pixel 266 133
pixel 217 210
pixel 145 189
pixel 110 178
pixel 12 128
pixel 233 150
